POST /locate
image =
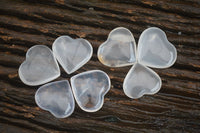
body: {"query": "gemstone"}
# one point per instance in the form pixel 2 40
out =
pixel 141 80
pixel 57 98
pixel 89 89
pixel 72 54
pixel 119 49
pixel 39 67
pixel 154 50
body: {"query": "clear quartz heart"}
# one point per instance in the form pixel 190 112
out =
pixel 72 53
pixel 39 67
pixel 89 89
pixel 154 50
pixel 119 49
pixel 57 98
pixel 141 80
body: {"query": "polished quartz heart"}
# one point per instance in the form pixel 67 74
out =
pixel 39 67
pixel 119 49
pixel 141 80
pixel 72 53
pixel 57 98
pixel 89 89
pixel 154 50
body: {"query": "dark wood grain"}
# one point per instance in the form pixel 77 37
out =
pixel 175 108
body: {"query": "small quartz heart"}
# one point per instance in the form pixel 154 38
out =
pixel 39 67
pixel 141 80
pixel 57 98
pixel 89 89
pixel 119 49
pixel 72 53
pixel 154 50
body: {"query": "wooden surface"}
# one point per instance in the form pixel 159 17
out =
pixel 175 108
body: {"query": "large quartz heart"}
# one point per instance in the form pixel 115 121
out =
pixel 141 80
pixel 154 50
pixel 39 67
pixel 119 49
pixel 57 98
pixel 72 53
pixel 89 89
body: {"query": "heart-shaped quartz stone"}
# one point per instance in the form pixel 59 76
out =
pixel 89 89
pixel 72 53
pixel 57 98
pixel 141 80
pixel 119 49
pixel 154 50
pixel 39 67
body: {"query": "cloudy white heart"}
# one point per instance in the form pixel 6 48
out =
pixel 72 54
pixel 154 50
pixel 39 67
pixel 89 88
pixel 56 97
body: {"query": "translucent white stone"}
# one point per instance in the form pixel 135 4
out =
pixel 57 98
pixel 39 67
pixel 154 50
pixel 72 53
pixel 89 89
pixel 119 49
pixel 141 80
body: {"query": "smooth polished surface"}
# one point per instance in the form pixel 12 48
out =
pixel 57 98
pixel 39 67
pixel 141 80
pixel 154 50
pixel 119 49
pixel 89 89
pixel 72 53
